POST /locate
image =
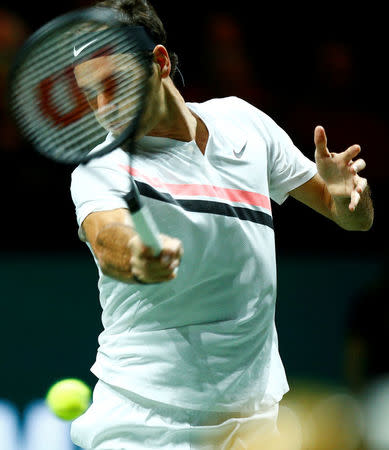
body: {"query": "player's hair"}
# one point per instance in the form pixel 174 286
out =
pixel 140 12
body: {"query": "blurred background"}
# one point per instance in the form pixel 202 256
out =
pixel 303 67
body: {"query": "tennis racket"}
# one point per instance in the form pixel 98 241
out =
pixel 77 91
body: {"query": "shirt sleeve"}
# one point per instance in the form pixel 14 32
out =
pixel 289 168
pixel 99 186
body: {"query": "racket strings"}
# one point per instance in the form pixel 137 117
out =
pixel 53 110
pixel 63 140
pixel 125 97
pixel 50 65
pixel 59 47
pixel 121 92
pixel 88 136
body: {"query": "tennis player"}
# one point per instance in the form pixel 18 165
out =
pixel 188 358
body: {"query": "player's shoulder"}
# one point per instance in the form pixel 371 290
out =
pixel 220 104
pixel 233 107
pixel 113 161
pixel 239 113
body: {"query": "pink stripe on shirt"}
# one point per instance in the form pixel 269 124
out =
pixel 234 195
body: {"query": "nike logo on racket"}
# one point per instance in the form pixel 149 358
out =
pixel 79 50
pixel 239 154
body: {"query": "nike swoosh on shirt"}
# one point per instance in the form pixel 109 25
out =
pixel 239 154
pixel 76 52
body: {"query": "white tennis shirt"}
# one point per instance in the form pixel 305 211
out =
pixel 206 340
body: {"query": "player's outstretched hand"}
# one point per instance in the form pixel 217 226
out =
pixel 339 170
pixel 148 268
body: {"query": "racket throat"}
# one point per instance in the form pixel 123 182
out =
pixel 143 221
pixel 133 201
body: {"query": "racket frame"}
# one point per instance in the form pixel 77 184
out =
pixel 142 218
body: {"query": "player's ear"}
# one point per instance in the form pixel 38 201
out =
pixel 161 57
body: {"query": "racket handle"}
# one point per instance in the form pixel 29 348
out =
pixel 143 220
pixel 147 229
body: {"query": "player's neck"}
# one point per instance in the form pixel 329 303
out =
pixel 177 121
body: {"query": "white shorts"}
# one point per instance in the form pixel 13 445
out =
pixel 118 419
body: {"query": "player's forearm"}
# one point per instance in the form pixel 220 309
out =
pixel 359 220
pixel 122 255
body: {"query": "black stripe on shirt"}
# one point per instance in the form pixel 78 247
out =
pixel 207 206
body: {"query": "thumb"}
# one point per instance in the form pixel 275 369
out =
pixel 320 139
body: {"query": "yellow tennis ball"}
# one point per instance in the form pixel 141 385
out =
pixel 69 398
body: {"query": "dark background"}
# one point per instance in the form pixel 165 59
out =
pixel 303 67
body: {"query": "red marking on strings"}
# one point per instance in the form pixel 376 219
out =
pixel 50 107
pixel 67 80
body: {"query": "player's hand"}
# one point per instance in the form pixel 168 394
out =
pixel 148 268
pixel 339 170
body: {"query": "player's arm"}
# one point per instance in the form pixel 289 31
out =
pixel 120 252
pixel 337 191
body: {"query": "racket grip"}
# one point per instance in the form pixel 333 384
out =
pixel 147 229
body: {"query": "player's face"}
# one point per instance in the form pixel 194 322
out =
pixel 109 84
